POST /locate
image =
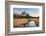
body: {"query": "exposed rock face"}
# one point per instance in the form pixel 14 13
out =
pixel 20 21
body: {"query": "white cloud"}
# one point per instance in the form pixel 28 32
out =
pixel 34 14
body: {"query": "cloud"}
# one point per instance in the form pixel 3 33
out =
pixel 34 14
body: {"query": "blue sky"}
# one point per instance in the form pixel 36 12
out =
pixel 32 11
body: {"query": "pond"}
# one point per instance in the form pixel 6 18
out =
pixel 31 24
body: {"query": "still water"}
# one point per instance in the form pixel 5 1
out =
pixel 31 24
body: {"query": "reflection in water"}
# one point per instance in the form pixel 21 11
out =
pixel 31 24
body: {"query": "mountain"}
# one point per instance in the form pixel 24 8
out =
pixel 23 15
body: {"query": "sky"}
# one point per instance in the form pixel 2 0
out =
pixel 32 11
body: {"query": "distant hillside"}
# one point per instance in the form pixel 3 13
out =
pixel 23 16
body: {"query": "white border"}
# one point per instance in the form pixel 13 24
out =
pixel 25 29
